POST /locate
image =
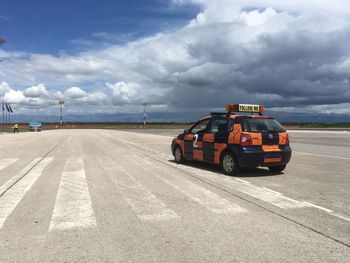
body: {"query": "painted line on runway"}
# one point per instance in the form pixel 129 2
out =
pixel 278 200
pixel 322 155
pixel 7 162
pixel 269 196
pixel 242 181
pixel 14 195
pixel 319 207
pixel 272 191
pixel 73 206
pixel 341 217
pixel 266 194
pixel 5 187
pixel 202 196
pixel 144 204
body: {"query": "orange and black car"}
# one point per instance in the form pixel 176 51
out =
pixel 240 137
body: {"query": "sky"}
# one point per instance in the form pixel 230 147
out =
pixel 182 56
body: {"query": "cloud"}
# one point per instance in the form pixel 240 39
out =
pixel 36 91
pixel 123 92
pixel 13 96
pixel 285 54
pixel 75 93
pixel 4 87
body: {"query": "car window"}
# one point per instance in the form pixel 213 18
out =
pixel 263 125
pixel 200 126
pixel 219 126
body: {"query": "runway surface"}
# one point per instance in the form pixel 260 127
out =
pixel 118 196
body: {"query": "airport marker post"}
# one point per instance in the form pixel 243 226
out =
pixel 61 103
pixel 144 113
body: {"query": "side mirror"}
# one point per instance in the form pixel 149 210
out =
pixel 186 131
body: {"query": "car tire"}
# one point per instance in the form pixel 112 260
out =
pixel 229 164
pixel 178 155
pixel 277 168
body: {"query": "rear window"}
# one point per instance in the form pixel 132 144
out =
pixel 263 125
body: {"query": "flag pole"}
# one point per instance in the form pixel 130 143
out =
pixel 3 115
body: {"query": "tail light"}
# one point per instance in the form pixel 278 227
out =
pixel 287 138
pixel 246 139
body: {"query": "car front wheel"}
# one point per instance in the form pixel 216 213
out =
pixel 179 158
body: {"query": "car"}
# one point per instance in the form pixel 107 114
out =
pixel 241 137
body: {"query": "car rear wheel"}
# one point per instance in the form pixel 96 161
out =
pixel 277 168
pixel 229 164
pixel 179 157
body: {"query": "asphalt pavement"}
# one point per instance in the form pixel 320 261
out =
pixel 118 196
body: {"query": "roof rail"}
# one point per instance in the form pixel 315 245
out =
pixel 221 113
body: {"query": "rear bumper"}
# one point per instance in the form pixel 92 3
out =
pixel 254 157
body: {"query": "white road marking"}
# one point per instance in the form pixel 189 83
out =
pixel 242 181
pixel 73 207
pixel 269 196
pixel 7 162
pixel 323 155
pixel 341 217
pixel 319 207
pixel 145 205
pixel 15 178
pixel 275 198
pixel 14 195
pixel 202 196
pixel 272 191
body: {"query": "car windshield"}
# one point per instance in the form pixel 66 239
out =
pixel 263 125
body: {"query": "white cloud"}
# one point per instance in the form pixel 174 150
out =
pixel 75 93
pixel 4 87
pixel 123 92
pixel 36 91
pixel 283 53
pixel 14 96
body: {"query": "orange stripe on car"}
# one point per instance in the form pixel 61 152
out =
pixel 256 138
pixel 282 136
pixel 189 137
pixel 235 135
pixel 219 147
pixel 198 155
pixel 271 148
pixel 208 138
pixel 272 160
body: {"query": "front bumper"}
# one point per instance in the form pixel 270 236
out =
pixel 254 156
pixel 172 146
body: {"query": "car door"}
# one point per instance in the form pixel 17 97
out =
pixel 194 140
pixel 217 138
